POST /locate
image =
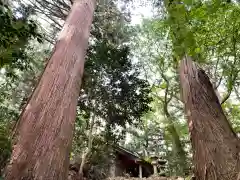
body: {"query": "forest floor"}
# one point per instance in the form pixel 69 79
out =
pixel 149 178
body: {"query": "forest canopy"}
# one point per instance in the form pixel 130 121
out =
pixel 130 93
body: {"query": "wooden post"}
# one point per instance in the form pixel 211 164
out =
pixel 112 169
pixel 155 169
pixel 154 163
pixel 140 171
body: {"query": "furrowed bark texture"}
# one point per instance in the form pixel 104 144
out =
pixel 215 145
pixel 45 129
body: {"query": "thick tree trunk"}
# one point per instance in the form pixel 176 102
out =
pixel 45 128
pixel 215 145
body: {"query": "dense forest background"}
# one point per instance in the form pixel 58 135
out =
pixel 130 92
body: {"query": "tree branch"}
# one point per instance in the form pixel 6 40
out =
pixel 233 74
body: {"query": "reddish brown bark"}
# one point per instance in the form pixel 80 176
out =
pixel 45 129
pixel 215 145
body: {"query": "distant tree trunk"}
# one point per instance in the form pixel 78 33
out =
pixel 179 156
pixel 215 145
pixel 89 147
pixel 45 128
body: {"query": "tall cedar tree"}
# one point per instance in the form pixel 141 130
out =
pixel 45 128
pixel 215 145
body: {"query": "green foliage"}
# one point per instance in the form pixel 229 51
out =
pixel 5 146
pixel 122 95
pixel 15 31
pixel 115 89
pixel 111 86
pixel 148 136
pixel 209 32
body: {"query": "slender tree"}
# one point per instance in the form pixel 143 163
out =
pixel 45 128
pixel 215 145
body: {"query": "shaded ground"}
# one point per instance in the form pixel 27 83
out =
pixel 150 178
